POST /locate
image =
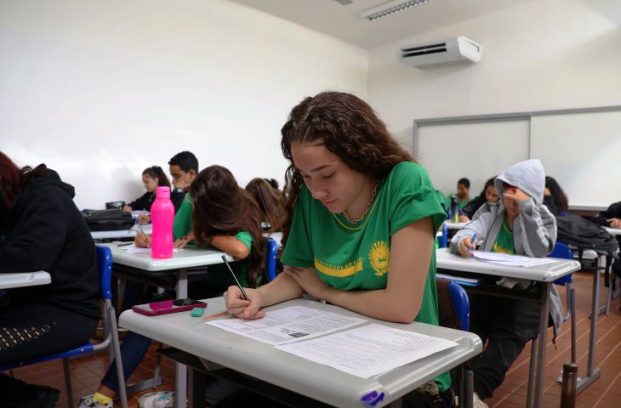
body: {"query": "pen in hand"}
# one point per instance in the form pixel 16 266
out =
pixel 243 292
pixel 473 241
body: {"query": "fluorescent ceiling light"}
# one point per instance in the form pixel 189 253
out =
pixel 389 8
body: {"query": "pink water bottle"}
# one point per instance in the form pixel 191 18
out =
pixel 162 216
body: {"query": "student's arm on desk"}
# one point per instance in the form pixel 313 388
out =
pixel 230 245
pixel 281 289
pixel 400 301
pixel 462 239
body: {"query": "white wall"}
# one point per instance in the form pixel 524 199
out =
pixel 100 90
pixel 538 55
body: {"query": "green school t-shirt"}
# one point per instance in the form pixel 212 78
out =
pixel 504 239
pixel 356 256
pixel 218 275
pixel 183 218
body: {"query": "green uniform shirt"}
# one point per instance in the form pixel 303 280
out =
pixel 183 218
pixel 504 239
pixel 356 256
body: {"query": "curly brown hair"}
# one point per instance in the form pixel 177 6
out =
pixel 221 207
pixel 349 128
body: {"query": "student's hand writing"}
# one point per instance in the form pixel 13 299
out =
pixel 142 240
pixel 308 280
pixel 183 241
pixel 244 309
pixel 144 219
pixel 614 222
pixel 466 246
pixel 463 218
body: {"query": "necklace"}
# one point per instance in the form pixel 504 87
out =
pixel 366 210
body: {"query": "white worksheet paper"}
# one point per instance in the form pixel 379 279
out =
pixel 289 324
pixel 368 350
pixel 133 249
pixel 510 260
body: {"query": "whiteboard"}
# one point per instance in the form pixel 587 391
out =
pixel 583 152
pixel 581 148
pixel 476 149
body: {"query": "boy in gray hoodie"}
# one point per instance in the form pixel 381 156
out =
pixel 519 224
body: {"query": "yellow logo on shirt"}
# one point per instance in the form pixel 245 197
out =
pixel 340 271
pixel 379 256
pixel 497 248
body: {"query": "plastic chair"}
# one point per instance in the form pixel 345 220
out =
pixel 442 240
pixel 110 342
pixel 454 312
pixel 271 255
pixel 561 250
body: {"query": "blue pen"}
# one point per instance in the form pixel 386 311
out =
pixel 473 241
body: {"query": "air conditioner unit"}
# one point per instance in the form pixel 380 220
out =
pixel 456 49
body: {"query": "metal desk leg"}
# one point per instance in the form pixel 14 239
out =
pixel 466 386
pixel 532 372
pixel 592 374
pixel 541 347
pixel 181 370
pixel 601 266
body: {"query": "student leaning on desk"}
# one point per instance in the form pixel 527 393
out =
pixel 611 217
pixel 361 222
pixel 519 224
pixel 220 214
pixel 41 229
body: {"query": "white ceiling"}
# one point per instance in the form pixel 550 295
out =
pixel 344 21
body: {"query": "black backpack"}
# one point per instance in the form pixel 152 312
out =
pixel 582 233
pixel 107 220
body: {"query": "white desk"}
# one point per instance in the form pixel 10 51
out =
pixel 455 225
pixel 545 274
pixel 19 280
pixel 296 374
pixel 121 234
pixel 590 208
pixel 613 231
pixel 180 263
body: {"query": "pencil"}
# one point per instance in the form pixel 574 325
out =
pixel 243 292
pixel 215 315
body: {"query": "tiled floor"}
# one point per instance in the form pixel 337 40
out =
pixel 603 393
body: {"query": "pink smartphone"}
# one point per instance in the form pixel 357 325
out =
pixel 168 306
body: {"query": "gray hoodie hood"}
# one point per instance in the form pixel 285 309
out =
pixel 528 175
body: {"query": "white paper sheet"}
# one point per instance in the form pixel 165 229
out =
pixel 133 249
pixel 510 260
pixel 368 350
pixel 288 325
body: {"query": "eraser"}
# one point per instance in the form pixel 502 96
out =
pixel 198 311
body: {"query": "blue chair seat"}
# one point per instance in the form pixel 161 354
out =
pixel 110 342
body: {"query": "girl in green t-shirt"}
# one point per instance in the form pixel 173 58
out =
pixel 360 225
pixel 218 213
